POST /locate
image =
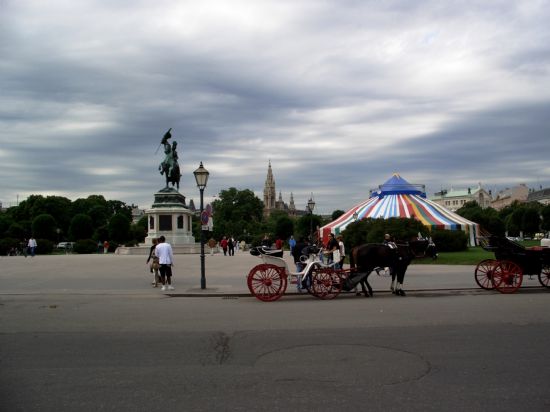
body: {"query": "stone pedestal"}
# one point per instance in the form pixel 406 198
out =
pixel 170 217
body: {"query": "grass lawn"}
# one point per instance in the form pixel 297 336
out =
pixel 472 256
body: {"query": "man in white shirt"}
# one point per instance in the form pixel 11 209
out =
pixel 32 245
pixel 166 260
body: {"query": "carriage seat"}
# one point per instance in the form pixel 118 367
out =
pixel 264 250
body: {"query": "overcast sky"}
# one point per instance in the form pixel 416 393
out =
pixel 338 94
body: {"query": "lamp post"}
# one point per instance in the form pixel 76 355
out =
pixel 201 177
pixel 310 207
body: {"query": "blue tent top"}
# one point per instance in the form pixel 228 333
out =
pixel 396 185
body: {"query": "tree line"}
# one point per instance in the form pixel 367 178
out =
pixel 237 213
pixel 52 219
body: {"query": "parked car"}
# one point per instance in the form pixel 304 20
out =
pixel 65 245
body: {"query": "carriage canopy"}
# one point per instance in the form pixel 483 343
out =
pixel 399 198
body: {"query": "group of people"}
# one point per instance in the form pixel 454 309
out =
pixel 24 248
pixel 161 261
pixel 229 245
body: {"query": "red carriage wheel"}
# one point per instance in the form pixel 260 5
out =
pixel 507 277
pixel 326 283
pixel 267 282
pixel 484 273
pixel 544 276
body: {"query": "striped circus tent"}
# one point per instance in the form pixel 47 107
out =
pixel 399 198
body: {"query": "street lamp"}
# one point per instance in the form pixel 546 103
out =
pixel 310 207
pixel 201 177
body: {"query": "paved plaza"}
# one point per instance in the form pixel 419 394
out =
pixel 225 275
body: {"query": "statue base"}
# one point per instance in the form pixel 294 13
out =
pixel 170 217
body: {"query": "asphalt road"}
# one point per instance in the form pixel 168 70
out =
pixel 95 345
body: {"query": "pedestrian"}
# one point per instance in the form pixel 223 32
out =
pixel 164 252
pixel 32 245
pixel 291 244
pixel 279 244
pixel 105 246
pixel 99 246
pixel 154 265
pixel 231 246
pixel 342 248
pixel 331 249
pixel 297 254
pixel 24 247
pixel 223 244
pixel 266 241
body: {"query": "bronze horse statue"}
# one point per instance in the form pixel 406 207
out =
pixel 172 175
pixel 170 167
pixel 365 258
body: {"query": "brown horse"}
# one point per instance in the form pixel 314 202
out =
pixel 397 257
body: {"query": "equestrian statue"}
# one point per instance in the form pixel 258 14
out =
pixel 170 167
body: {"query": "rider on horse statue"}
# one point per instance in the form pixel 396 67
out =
pixel 170 166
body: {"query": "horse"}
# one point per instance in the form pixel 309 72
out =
pixel 397 257
pixel 172 176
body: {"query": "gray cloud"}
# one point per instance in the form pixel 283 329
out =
pixel 337 95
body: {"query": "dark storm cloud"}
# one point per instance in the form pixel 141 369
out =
pixel 337 95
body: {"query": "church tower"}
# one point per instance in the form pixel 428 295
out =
pixel 269 192
pixel 291 206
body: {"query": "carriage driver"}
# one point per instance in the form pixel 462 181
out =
pixel 388 241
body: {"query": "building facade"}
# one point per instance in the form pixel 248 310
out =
pixel 509 195
pixel 454 199
pixel 541 196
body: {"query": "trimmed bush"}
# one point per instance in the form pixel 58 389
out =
pixel 44 246
pixel 7 243
pixel 450 240
pixel 85 246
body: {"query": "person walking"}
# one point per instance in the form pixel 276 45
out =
pixel 105 246
pixel 342 248
pixel 223 244
pixel 332 247
pixel 291 244
pixel 154 266
pixel 231 246
pixel 164 252
pixel 32 245
pixel 279 244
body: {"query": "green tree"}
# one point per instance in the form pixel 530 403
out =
pixel 237 211
pixel 116 207
pixel 81 227
pixel 530 222
pixel 44 227
pixel 336 214
pixel 284 227
pixel 545 213
pixel 119 228
pixel 18 231
pixel 373 230
pixel 306 223
pixel 5 222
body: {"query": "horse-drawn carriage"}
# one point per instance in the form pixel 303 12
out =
pixel 268 281
pixel 512 261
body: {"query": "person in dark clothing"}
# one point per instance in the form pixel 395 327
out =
pixel 154 267
pixel 297 253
